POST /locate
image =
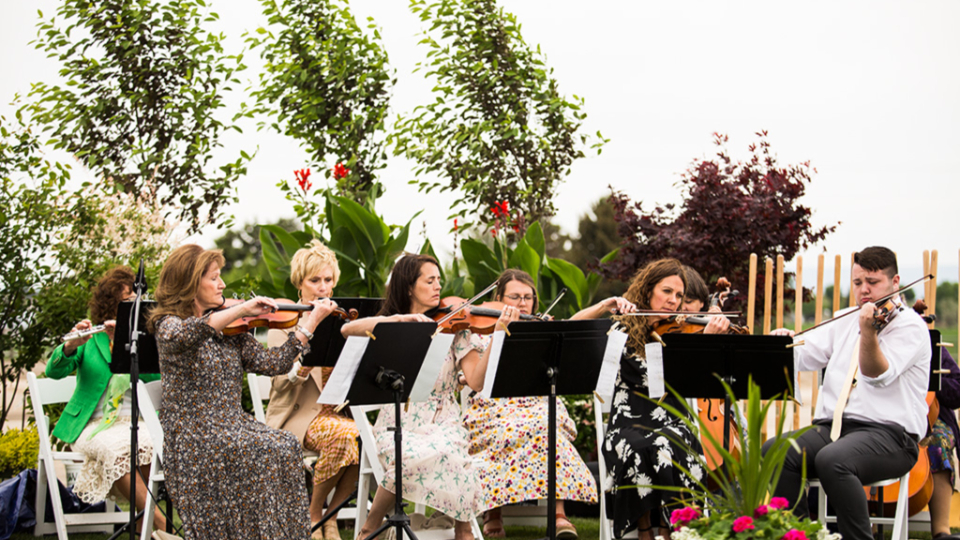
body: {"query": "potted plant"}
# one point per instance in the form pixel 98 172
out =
pixel 741 507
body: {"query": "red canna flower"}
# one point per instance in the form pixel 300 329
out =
pixel 339 171
pixel 303 176
pixel 496 210
pixel 455 224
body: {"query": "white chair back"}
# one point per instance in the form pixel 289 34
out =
pixel 48 392
pixel 259 392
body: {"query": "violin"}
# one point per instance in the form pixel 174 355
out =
pixel 286 316
pixel 479 319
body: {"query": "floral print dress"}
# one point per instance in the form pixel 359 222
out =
pixel 437 469
pixel 639 450
pixel 229 475
pixel 509 438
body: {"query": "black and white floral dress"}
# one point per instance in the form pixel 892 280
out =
pixel 229 476
pixel 639 449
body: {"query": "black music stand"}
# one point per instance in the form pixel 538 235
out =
pixel 148 360
pixel 936 361
pixel 328 342
pixel 692 362
pixel 386 374
pixel 550 359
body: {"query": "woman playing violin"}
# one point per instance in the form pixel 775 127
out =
pixel 293 397
pixel 507 436
pixel 229 475
pixel 643 456
pixel 437 469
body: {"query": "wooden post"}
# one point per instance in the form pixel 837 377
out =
pixel 779 291
pixel 852 301
pixel 767 293
pixel 835 306
pixel 926 270
pixel 818 315
pixel 771 425
pixel 752 292
pixel 805 380
pixel 932 299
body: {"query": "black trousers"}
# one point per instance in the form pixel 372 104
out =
pixel 864 453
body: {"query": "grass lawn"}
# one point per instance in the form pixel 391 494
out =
pixel 589 529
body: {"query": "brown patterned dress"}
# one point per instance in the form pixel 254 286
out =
pixel 228 475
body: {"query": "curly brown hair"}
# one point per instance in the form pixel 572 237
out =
pixel 108 293
pixel 179 280
pixel 640 292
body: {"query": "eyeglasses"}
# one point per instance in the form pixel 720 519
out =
pixel 520 299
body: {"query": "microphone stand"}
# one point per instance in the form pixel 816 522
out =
pixel 140 287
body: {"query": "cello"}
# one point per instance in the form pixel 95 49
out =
pixel 920 486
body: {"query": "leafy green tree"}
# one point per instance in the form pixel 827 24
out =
pixel 327 84
pixel 143 84
pixel 498 130
pixel 29 188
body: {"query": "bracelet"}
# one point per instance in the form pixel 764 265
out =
pixel 305 332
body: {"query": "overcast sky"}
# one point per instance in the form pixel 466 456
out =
pixel 869 92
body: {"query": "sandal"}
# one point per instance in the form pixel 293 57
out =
pixel 565 529
pixel 493 525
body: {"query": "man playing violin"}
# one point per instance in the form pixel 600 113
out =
pixel 865 432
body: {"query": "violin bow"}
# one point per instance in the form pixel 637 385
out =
pixel 553 304
pixel 461 307
pixel 877 301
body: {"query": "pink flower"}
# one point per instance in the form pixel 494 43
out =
pixel 761 510
pixel 779 503
pixel 743 523
pixel 684 515
pixel 794 534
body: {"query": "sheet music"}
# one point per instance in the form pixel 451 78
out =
pixel 496 346
pixel 655 387
pixel 338 385
pixel 430 370
pixel 611 363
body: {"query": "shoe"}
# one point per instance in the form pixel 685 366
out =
pixel 163 535
pixel 330 530
pixel 438 521
pixel 493 525
pixel 565 529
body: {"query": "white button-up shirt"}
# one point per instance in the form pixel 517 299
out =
pixel 897 396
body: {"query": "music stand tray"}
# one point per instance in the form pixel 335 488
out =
pixel 148 355
pixel 328 342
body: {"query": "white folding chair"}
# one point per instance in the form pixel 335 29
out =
pixel 899 520
pixel 47 392
pixel 601 408
pixel 371 474
pixel 260 392
pixel 150 400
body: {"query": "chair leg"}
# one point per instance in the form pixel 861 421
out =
pixel 149 503
pixel 901 525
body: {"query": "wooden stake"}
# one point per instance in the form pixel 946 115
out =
pixel 932 299
pixel 752 292
pixel 835 306
pixel 853 300
pixel 767 293
pixel 779 291
pixel 818 315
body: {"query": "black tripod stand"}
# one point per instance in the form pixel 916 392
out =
pixel 388 379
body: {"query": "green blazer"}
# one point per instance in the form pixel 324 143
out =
pixel 91 361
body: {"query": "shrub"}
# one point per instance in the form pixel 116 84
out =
pixel 18 451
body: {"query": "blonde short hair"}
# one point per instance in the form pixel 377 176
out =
pixel 310 260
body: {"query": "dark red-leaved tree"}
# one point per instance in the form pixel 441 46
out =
pixel 729 211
